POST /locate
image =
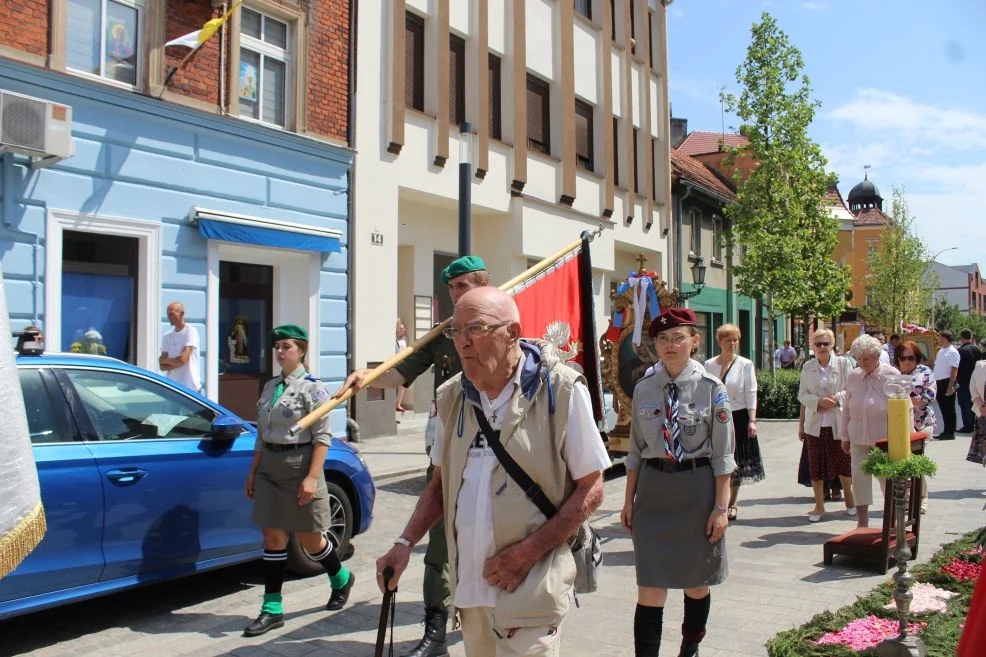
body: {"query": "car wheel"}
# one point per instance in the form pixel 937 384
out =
pixel 340 531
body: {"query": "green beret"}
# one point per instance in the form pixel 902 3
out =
pixel 461 266
pixel 288 331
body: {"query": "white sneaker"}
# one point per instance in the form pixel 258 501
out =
pixel 851 512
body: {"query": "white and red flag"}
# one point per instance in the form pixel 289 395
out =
pixel 557 304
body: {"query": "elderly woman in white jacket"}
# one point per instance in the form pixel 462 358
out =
pixel 821 393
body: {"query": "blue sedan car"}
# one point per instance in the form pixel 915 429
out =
pixel 142 481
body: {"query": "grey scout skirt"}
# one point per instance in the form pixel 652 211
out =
pixel 275 493
pixel 670 547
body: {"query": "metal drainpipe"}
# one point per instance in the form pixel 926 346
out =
pixel 352 428
pixel 679 252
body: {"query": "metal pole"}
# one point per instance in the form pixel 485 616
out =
pixel 465 191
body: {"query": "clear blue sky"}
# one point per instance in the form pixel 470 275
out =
pixel 902 85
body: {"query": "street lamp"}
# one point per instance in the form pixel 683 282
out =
pixel 934 258
pixel 465 188
pixel 698 278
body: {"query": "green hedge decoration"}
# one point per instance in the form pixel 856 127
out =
pixel 878 464
pixel 777 394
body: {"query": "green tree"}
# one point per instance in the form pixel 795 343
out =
pixel 949 316
pixel 897 289
pixel 781 216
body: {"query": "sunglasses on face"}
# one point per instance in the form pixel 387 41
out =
pixel 908 357
pixel 823 344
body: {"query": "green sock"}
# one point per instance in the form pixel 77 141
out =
pixel 272 604
pixel 340 579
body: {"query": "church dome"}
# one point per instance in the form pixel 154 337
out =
pixel 865 189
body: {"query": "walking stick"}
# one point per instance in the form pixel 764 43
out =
pixel 388 609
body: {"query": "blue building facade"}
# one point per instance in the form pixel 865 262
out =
pixel 245 225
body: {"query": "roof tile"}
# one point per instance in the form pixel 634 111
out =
pixel 701 143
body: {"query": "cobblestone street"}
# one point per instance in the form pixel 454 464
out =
pixel 776 579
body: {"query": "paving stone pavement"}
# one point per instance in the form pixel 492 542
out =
pixel 776 581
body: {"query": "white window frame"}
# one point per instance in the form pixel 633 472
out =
pixel 695 220
pixel 266 50
pixel 148 235
pixel 139 50
pixel 717 249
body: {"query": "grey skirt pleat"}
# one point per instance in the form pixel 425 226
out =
pixel 275 493
pixel 670 512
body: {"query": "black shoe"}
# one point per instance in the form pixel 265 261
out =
pixel 263 624
pixel 945 436
pixel 340 597
pixel 965 430
pixel 433 643
pixel 688 650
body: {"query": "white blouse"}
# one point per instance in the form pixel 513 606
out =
pixel 741 382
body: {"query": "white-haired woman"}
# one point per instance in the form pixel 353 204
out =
pixel 864 416
pixel 822 395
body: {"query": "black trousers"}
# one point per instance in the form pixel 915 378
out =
pixel 965 405
pixel 946 403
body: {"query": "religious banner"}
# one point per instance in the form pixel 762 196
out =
pixel 557 305
pixel 22 520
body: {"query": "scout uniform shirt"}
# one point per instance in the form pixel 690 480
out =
pixel 704 416
pixel 302 394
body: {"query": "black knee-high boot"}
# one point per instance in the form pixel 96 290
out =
pixel 693 627
pixel 648 623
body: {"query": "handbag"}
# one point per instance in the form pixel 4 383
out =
pixel 977 446
pixel 586 544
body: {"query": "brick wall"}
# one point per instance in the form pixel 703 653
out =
pixel 328 69
pixel 24 26
pixel 200 77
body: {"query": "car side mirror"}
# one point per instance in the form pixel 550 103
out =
pixel 226 428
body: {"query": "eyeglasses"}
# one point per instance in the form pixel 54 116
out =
pixel 823 344
pixel 676 340
pixel 472 331
pixel 908 358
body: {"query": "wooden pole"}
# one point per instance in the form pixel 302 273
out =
pixel 318 413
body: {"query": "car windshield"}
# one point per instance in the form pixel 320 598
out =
pixel 123 406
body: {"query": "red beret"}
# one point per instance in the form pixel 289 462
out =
pixel 671 318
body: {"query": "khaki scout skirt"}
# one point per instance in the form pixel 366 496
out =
pixel 670 547
pixel 275 493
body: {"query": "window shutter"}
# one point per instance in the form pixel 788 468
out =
pixel 456 80
pixel 496 125
pixel 538 129
pixel 414 49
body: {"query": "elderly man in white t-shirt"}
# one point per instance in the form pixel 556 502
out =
pixel 513 576
pixel 180 350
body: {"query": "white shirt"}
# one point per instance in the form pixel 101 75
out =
pixel 741 382
pixel 777 359
pixel 584 454
pixel 884 357
pixel 173 343
pixel 946 359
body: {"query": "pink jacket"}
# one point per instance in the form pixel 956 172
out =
pixel 864 414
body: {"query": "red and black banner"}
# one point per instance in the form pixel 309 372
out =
pixel 557 305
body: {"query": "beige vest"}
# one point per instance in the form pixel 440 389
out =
pixel 534 437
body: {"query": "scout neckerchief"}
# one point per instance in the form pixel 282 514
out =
pixel 278 391
pixel 672 431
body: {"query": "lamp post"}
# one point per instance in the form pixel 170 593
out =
pixel 934 258
pixel 698 278
pixel 465 188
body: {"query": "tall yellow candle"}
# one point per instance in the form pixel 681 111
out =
pixel 899 428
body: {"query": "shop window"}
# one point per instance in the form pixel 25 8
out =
pixel 265 62
pixel 538 116
pixel 414 62
pixel 99 294
pixel 103 38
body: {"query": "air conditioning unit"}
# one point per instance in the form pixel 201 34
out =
pixel 35 127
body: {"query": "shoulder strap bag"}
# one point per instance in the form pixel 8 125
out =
pixel 586 544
